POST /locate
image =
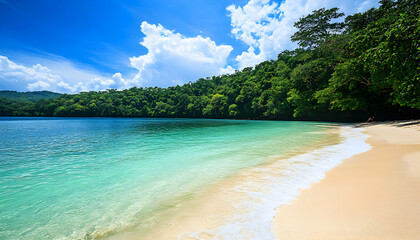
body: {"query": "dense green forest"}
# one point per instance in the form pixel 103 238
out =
pixel 345 69
pixel 28 96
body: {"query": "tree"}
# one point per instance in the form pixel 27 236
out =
pixel 315 28
pixel 382 67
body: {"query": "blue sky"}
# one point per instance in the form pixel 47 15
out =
pixel 78 45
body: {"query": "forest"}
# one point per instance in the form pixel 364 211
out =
pixel 345 69
pixel 28 96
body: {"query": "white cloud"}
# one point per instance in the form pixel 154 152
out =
pixel 253 21
pixel 266 26
pixel 33 77
pixel 250 58
pixel 227 70
pixel 175 59
pixel 38 85
pixel 59 76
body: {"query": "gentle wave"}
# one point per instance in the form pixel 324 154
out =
pixel 279 184
pixel 90 178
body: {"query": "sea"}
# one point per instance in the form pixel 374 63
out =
pixel 92 178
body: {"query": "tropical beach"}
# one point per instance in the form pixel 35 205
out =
pixel 373 195
pixel 75 178
pixel 228 120
pixel 224 179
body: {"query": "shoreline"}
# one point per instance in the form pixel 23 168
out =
pixel 231 208
pixel 373 195
pixel 249 205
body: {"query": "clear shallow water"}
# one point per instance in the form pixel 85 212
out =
pixel 81 178
pixel 279 182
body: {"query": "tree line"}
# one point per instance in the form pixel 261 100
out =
pixel 28 96
pixel 364 65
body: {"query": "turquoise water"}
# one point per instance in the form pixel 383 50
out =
pixel 82 178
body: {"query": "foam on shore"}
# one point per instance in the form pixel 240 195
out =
pixel 276 184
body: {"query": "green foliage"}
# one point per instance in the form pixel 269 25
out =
pixel 382 65
pixel 28 96
pixel 369 69
pixel 315 28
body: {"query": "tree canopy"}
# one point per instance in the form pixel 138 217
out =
pixel 28 96
pixel 316 27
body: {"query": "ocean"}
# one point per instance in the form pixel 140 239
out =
pixel 91 178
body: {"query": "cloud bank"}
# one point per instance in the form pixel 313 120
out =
pixel 175 59
pixel 65 78
pixel 172 59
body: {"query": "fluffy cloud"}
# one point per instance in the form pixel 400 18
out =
pixel 34 77
pixel 171 59
pixel 175 59
pixel 64 78
pixel 266 26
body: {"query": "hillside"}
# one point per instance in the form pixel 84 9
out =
pixel 28 96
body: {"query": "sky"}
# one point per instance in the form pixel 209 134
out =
pixel 70 46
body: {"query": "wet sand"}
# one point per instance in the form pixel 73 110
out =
pixel 373 195
pixel 202 215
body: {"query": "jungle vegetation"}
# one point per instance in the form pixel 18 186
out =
pixel 28 96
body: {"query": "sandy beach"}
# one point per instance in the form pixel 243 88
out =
pixel 373 195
